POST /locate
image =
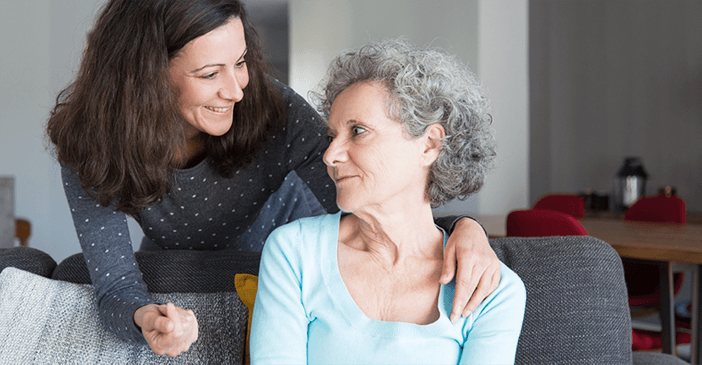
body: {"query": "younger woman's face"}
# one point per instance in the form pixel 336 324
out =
pixel 210 74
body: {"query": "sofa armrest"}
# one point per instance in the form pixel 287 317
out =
pixel 27 259
pixel 576 308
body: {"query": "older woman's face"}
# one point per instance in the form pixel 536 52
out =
pixel 210 74
pixel 371 158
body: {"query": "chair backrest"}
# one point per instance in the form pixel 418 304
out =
pixel 23 229
pixel 576 307
pixel 567 203
pixel 659 208
pixel 542 223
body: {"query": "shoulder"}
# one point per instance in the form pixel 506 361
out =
pixel 510 291
pixel 306 228
pixel 311 231
pixel 299 243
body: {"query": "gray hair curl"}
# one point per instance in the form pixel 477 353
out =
pixel 426 86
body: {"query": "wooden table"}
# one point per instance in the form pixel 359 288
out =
pixel 666 245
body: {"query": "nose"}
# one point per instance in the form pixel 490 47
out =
pixel 335 153
pixel 233 89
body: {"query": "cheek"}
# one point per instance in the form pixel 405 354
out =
pixel 244 78
pixel 188 95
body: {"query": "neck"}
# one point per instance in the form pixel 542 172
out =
pixel 394 234
pixel 193 153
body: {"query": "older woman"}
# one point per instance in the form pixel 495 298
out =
pixel 410 129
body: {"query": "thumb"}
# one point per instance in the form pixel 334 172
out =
pixel 174 316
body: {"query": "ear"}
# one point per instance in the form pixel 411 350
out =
pixel 433 141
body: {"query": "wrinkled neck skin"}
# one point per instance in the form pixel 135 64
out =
pixel 391 233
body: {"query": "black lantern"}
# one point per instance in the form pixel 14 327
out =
pixel 630 183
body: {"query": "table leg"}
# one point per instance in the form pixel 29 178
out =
pixel 665 276
pixel 695 314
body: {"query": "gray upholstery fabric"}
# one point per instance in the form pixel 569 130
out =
pixel 45 321
pixel 576 310
pixel 652 358
pixel 27 259
pixel 183 271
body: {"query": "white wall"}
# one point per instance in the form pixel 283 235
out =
pixel 41 42
pixel 489 35
pixel 502 63
pixel 26 94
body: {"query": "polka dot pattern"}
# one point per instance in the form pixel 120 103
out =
pixel 205 211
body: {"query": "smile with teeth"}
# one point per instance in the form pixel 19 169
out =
pixel 218 110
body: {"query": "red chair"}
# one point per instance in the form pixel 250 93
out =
pixel 642 279
pixel 567 203
pixel 659 208
pixel 542 223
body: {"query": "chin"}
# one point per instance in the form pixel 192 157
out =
pixel 345 206
pixel 218 132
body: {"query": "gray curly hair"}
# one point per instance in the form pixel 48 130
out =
pixel 426 86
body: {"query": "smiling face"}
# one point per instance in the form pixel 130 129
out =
pixel 210 74
pixel 371 158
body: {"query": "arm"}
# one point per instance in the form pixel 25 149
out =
pixel 493 329
pixel 104 238
pixel 279 323
pixel 122 295
pixel 470 258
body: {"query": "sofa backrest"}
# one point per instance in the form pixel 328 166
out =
pixel 576 308
pixel 28 259
pixel 176 271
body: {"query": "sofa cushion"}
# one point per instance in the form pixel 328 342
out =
pixel 246 287
pixel 576 308
pixel 51 321
pixel 27 259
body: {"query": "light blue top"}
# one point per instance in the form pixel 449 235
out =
pixel 305 314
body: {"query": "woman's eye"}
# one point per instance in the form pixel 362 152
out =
pixel 357 130
pixel 209 76
pixel 241 64
pixel 330 138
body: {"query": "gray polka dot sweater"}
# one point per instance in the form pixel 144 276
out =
pixel 204 212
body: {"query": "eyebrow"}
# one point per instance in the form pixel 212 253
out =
pixel 348 122
pixel 246 50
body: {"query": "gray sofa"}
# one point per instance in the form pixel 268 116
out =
pixel 576 309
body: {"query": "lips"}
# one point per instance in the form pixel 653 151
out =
pixel 342 178
pixel 218 110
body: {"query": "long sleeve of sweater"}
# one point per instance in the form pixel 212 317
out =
pixel 104 238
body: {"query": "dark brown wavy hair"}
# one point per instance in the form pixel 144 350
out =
pixel 118 125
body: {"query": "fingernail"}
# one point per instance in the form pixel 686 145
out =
pixel 467 313
pixel 454 317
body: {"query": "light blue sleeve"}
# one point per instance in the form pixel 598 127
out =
pixel 496 323
pixel 279 323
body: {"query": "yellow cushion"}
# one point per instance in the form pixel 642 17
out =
pixel 246 286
